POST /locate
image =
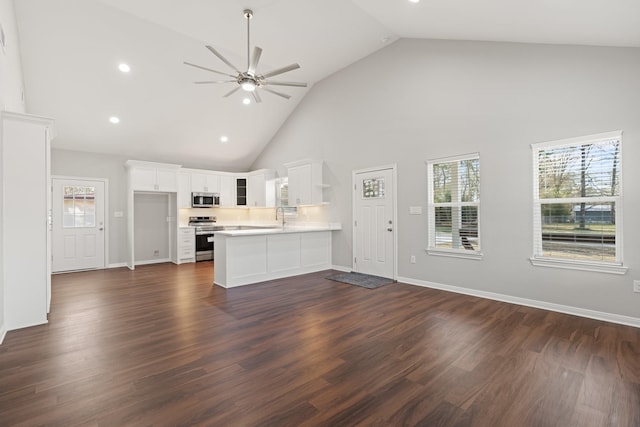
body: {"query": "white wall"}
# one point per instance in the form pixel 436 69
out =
pixel 11 100
pixel 92 165
pixel 10 66
pixel 151 228
pixel 422 99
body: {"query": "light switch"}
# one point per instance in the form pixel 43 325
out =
pixel 118 214
pixel 415 210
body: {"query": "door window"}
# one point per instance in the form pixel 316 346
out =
pixel 373 188
pixel 79 207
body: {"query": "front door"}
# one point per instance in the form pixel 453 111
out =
pixel 374 222
pixel 78 224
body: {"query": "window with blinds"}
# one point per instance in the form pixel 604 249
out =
pixel 577 202
pixel 454 206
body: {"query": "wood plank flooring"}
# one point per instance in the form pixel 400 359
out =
pixel 161 346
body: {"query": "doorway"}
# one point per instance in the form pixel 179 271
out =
pixel 374 213
pixel 78 224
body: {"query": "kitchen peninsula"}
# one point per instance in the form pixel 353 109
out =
pixel 250 256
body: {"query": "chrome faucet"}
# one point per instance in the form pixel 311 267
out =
pixel 281 209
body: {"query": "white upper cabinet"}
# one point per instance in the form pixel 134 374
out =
pixel 305 182
pixel 184 190
pixel 261 188
pixel 227 190
pixel 205 183
pixel 148 176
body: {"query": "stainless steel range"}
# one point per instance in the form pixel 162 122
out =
pixel 205 226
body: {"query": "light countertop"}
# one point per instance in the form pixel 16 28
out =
pixel 279 230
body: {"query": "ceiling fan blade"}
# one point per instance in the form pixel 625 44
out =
pixel 254 60
pixel 256 96
pixel 296 84
pixel 231 92
pixel 284 95
pixel 208 69
pixel 223 59
pixel 214 81
pixel 280 71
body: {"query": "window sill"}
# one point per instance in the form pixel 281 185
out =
pixel 467 254
pixel 579 265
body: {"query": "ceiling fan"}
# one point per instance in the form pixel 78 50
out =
pixel 250 80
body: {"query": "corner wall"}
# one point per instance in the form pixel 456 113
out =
pixel 10 100
pixel 423 99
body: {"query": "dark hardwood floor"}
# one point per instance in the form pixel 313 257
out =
pixel 161 346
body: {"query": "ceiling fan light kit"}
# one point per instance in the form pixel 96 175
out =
pixel 250 80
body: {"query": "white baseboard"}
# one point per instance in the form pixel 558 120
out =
pixel 576 311
pixel 3 333
pixel 153 261
pixel 341 268
pixel 117 265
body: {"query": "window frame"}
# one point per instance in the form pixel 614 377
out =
pixel 475 253
pixel 537 258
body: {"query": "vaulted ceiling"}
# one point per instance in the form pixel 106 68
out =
pixel 71 50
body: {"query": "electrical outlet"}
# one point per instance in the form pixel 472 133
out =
pixel 413 259
pixel 636 286
pixel 156 253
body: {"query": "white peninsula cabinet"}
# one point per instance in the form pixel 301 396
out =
pixel 25 209
pixel 305 182
pixel 250 256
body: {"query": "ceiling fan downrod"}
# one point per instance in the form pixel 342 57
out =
pixel 248 14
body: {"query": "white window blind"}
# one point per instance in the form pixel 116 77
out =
pixel 577 218
pixel 454 206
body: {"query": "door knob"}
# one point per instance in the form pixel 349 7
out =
pixel 389 229
pixel 100 228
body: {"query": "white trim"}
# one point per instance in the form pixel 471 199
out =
pixel 341 268
pixel 599 267
pixel 153 261
pixel 117 265
pixel 432 249
pixel 456 253
pixel 559 308
pixel 107 228
pixel 3 333
pixel 452 159
pixel 394 174
pixel 537 259
pixel 582 140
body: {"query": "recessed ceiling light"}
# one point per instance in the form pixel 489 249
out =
pixel 124 68
pixel 114 120
pixel 224 139
pixel 246 101
pixel 414 1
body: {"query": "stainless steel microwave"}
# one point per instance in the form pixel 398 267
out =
pixel 205 200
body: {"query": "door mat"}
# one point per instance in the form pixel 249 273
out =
pixel 359 279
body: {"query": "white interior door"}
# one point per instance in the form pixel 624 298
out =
pixel 374 223
pixel 78 224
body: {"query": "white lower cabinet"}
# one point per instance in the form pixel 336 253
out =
pixel 186 245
